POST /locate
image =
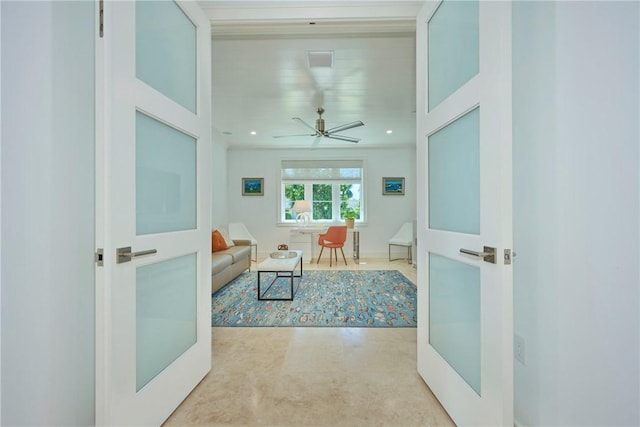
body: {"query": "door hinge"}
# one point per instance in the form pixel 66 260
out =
pixel 101 16
pixel 99 257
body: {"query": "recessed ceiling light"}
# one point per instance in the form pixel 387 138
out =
pixel 389 131
pixel 253 132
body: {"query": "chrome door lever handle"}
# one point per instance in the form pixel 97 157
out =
pixel 488 254
pixel 475 253
pixel 125 254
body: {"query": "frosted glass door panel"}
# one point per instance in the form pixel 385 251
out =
pixel 454 315
pixel 165 314
pixel 453 48
pixel 165 178
pixel 166 51
pixel 454 176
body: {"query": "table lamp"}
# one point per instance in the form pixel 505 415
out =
pixel 302 209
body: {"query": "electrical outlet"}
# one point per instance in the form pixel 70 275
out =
pixel 518 348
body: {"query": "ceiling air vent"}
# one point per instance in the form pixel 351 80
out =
pixel 317 59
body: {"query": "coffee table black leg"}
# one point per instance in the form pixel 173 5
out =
pixel 278 275
pixel 291 275
pixel 260 295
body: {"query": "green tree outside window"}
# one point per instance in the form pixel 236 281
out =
pixel 292 193
pixel 349 207
pixel 322 205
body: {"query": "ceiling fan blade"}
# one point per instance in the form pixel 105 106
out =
pixel 346 126
pixel 343 138
pixel 287 136
pixel 316 141
pixel 306 124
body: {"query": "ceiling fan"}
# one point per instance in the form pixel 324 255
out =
pixel 320 132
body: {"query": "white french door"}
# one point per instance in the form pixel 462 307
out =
pixel 153 196
pixel 465 321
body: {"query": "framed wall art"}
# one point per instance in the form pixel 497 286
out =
pixel 253 186
pixel 392 186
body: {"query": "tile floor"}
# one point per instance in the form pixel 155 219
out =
pixel 314 376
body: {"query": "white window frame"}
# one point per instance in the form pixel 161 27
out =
pixel 308 189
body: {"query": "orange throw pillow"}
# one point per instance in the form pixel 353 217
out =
pixel 217 242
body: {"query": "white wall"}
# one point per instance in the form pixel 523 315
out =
pixel 219 185
pixel 260 213
pixel 47 213
pixel 576 212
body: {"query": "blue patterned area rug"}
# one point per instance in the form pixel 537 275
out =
pixel 338 298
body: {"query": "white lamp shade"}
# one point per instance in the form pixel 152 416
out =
pixel 302 206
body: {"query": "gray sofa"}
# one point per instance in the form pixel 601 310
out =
pixel 227 264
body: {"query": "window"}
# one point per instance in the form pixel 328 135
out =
pixel 333 187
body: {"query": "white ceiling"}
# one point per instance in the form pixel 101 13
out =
pixel 261 78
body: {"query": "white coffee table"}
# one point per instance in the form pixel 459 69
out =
pixel 283 264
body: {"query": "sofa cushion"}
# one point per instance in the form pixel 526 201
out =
pixel 220 261
pixel 238 252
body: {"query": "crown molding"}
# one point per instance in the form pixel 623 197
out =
pixel 264 18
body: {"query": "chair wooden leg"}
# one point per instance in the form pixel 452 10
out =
pixel 321 249
pixel 331 257
pixel 343 257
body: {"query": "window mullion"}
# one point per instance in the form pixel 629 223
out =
pixel 335 197
pixel 308 191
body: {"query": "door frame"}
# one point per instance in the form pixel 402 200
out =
pixel 246 12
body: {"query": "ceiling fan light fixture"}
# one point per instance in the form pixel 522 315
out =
pixel 320 59
pixel 320 132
